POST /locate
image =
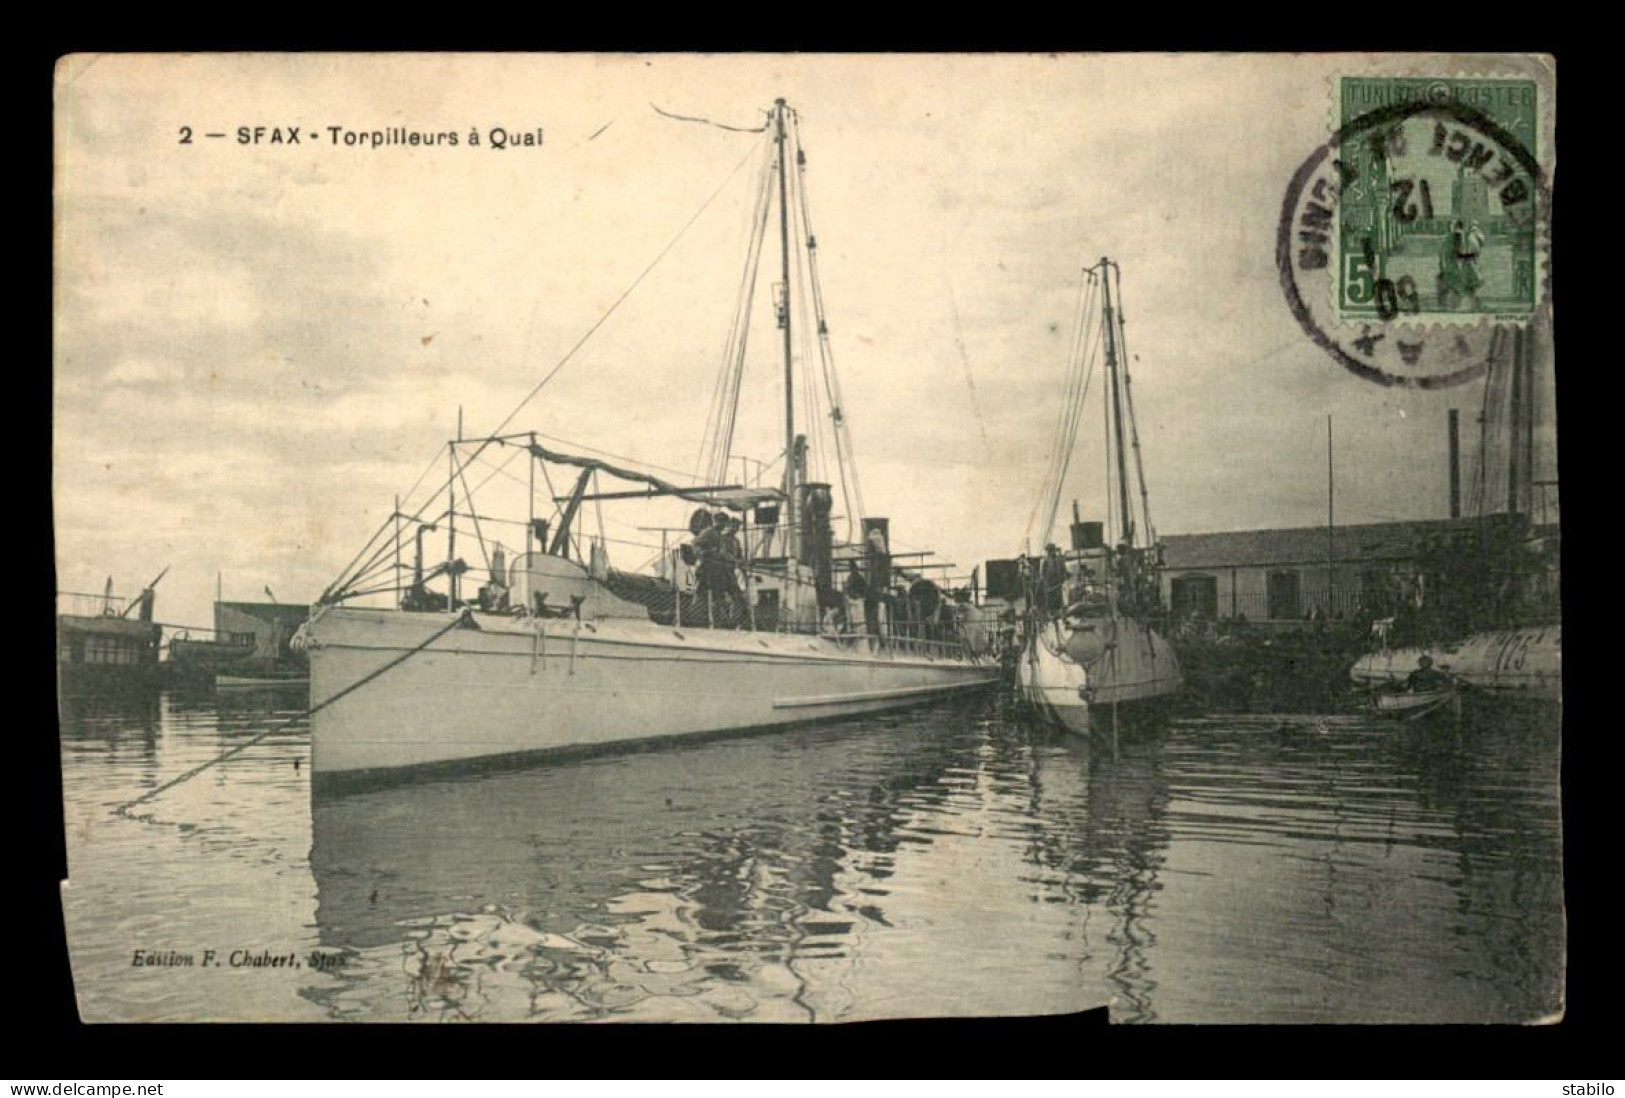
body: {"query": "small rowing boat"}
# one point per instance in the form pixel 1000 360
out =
pixel 1415 704
pixel 245 682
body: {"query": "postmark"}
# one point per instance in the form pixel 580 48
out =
pixel 1416 237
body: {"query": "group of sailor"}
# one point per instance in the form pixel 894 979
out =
pixel 917 609
pixel 717 556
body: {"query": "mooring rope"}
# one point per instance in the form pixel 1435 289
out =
pixel 460 619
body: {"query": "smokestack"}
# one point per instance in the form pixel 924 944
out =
pixel 1455 464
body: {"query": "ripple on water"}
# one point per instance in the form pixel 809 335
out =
pixel 939 861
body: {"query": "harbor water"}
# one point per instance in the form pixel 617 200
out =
pixel 950 860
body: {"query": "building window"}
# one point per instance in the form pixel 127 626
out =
pixel 115 650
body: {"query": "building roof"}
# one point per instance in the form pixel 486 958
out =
pixel 268 609
pixel 106 624
pixel 1305 544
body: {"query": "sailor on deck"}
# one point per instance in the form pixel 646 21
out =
pixel 718 553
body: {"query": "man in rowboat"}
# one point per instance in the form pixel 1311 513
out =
pixel 1425 677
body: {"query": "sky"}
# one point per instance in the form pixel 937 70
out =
pixel 258 345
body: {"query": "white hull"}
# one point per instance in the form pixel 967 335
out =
pixel 1140 668
pixel 1523 663
pixel 509 688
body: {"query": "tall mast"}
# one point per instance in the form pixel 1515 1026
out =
pixel 1531 394
pixel 1331 522
pixel 1514 418
pixel 1110 325
pixel 784 316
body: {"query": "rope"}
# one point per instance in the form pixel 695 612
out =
pixel 707 122
pixel 337 585
pixel 844 453
pixel 1080 376
pixel 964 359
pixel 599 323
pixel 717 441
pixel 1063 409
pixel 465 616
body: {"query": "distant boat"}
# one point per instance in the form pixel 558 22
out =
pixel 561 652
pixel 245 682
pixel 1488 613
pixel 248 643
pixel 1088 646
pixel 101 650
pixel 196 662
pixel 1524 663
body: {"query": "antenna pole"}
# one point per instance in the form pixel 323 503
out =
pixel 451 525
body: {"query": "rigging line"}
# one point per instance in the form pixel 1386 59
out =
pixel 618 457
pixel 844 449
pixel 707 122
pixel 624 295
pixel 1133 422
pixel 964 360
pixel 714 408
pixel 1077 393
pixel 568 355
pixel 468 496
pixel 1092 345
pixel 1058 432
pixel 813 328
pixel 1067 409
pixel 810 408
pixel 379 590
pixel 1088 350
pixel 407 495
pixel 726 389
pixel 1080 378
pixel 552 494
pixel 498 469
pixel 381 562
pixel 521 522
pixel 495 470
pixel 374 574
pixel 385 525
pixel 722 446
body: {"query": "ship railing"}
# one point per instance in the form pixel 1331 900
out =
pixel 89 605
pixel 894 645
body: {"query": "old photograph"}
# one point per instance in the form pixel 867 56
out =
pixel 808 538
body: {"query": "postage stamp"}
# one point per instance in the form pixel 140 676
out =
pixel 1417 236
pixel 1438 216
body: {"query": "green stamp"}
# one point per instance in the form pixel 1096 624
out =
pixel 1437 217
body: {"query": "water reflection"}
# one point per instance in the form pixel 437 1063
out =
pixel 721 879
pixel 944 861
